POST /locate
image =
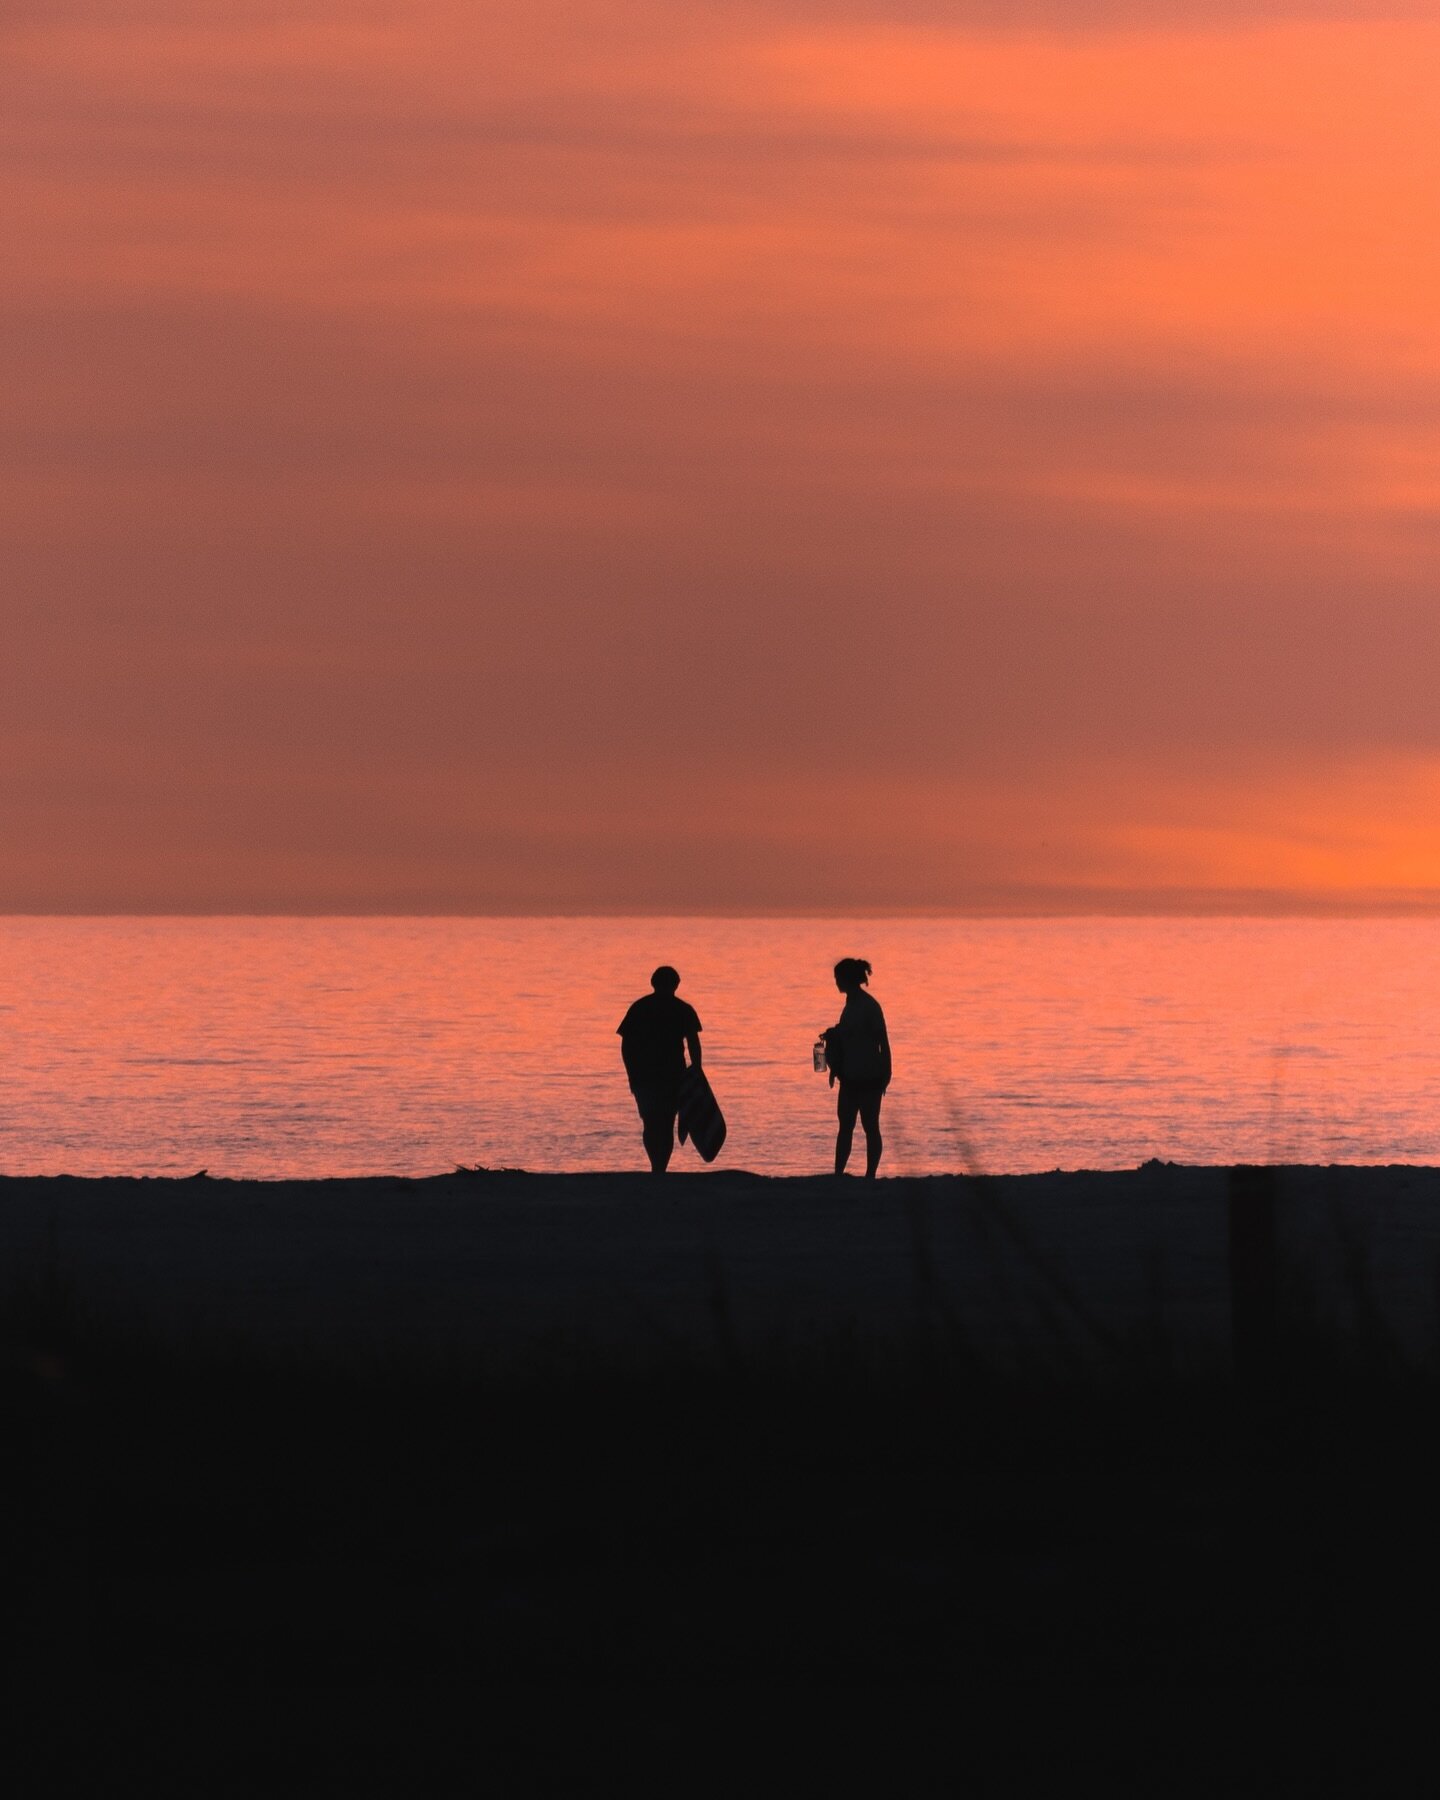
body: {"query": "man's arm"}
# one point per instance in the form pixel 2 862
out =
pixel 692 1044
pixel 627 1052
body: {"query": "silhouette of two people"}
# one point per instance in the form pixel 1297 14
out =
pixel 857 1049
pixel 660 1027
pixel 654 1036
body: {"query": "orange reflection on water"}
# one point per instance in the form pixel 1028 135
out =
pixel 331 1047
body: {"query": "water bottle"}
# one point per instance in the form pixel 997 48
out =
pixel 820 1056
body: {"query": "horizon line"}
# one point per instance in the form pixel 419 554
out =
pixel 1250 907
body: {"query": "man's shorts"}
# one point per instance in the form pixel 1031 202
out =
pixel 658 1099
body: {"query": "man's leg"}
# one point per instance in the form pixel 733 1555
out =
pixel 657 1105
pixel 870 1120
pixel 659 1135
pixel 845 1110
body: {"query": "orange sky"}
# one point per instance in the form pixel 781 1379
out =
pixel 758 454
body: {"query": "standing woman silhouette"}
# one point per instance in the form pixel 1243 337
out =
pixel 858 1052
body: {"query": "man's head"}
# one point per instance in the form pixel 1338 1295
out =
pixel 665 980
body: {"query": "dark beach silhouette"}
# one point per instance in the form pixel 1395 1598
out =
pixel 654 1036
pixel 1055 1474
pixel 857 1049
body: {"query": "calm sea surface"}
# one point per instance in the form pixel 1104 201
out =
pixel 273 1047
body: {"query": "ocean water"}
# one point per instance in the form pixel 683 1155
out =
pixel 285 1047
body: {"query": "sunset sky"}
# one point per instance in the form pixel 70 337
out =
pixel 702 455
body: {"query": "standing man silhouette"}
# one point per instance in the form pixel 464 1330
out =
pixel 858 1051
pixel 654 1036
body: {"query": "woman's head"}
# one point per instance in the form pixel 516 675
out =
pixel 851 972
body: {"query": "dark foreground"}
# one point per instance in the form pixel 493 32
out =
pixel 510 1484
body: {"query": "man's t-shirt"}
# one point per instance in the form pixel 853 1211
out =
pixel 654 1032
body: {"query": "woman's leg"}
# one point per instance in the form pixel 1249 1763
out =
pixel 870 1120
pixel 845 1109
